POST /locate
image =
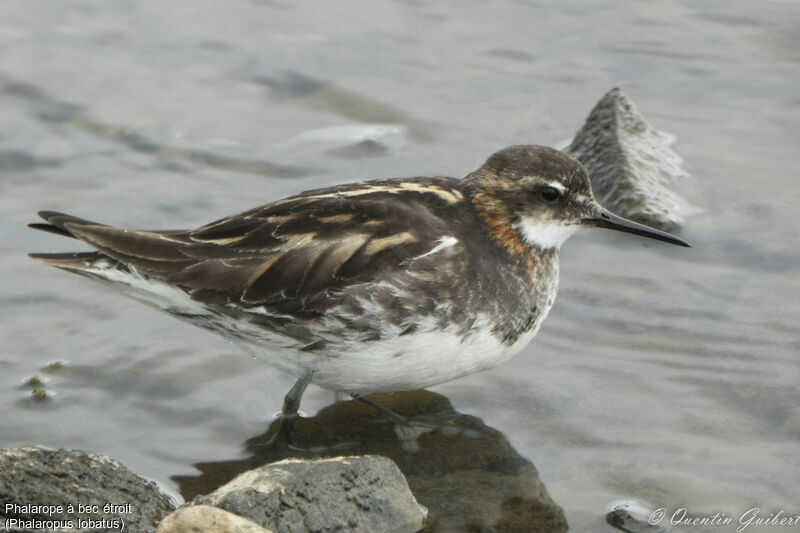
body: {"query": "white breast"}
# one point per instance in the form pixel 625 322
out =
pixel 425 358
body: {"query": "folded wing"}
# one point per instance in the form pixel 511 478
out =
pixel 293 253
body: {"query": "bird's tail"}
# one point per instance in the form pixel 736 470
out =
pixel 62 224
pixel 129 261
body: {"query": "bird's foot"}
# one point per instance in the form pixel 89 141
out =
pixel 280 444
pixel 409 429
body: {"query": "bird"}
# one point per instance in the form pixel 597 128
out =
pixel 374 286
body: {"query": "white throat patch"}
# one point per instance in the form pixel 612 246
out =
pixel 545 235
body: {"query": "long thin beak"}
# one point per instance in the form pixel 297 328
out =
pixel 612 221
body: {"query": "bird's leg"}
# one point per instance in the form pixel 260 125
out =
pixel 291 404
pixel 281 441
pixel 409 429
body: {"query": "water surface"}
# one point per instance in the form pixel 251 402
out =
pixel 663 375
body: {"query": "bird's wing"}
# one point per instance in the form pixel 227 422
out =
pixel 289 252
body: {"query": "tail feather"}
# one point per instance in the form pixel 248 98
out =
pixel 57 223
pixel 153 253
pixel 78 261
pixel 51 229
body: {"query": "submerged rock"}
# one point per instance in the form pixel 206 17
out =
pixel 366 493
pixel 636 517
pixel 465 473
pixel 631 164
pixel 75 490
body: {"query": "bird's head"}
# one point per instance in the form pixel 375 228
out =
pixel 537 196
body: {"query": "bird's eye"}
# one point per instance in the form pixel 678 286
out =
pixel 549 193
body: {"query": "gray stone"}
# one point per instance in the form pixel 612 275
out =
pixel 207 519
pixel 366 493
pixel 73 480
pixel 631 165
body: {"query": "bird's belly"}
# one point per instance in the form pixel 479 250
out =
pixel 405 362
pixel 394 361
pixel 413 361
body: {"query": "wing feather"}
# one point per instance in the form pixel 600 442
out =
pixel 297 251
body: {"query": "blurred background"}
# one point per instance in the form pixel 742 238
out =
pixel 663 375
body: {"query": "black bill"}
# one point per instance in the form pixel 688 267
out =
pixel 612 221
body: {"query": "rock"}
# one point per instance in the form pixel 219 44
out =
pixel 631 164
pixel 467 474
pixel 366 493
pixel 207 519
pixel 68 483
pixel 637 517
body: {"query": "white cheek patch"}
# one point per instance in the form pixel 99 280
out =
pixel 545 235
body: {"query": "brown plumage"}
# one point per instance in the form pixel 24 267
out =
pixel 293 249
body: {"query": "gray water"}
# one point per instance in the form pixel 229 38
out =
pixel 665 375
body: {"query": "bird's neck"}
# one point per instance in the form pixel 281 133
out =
pixel 485 196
